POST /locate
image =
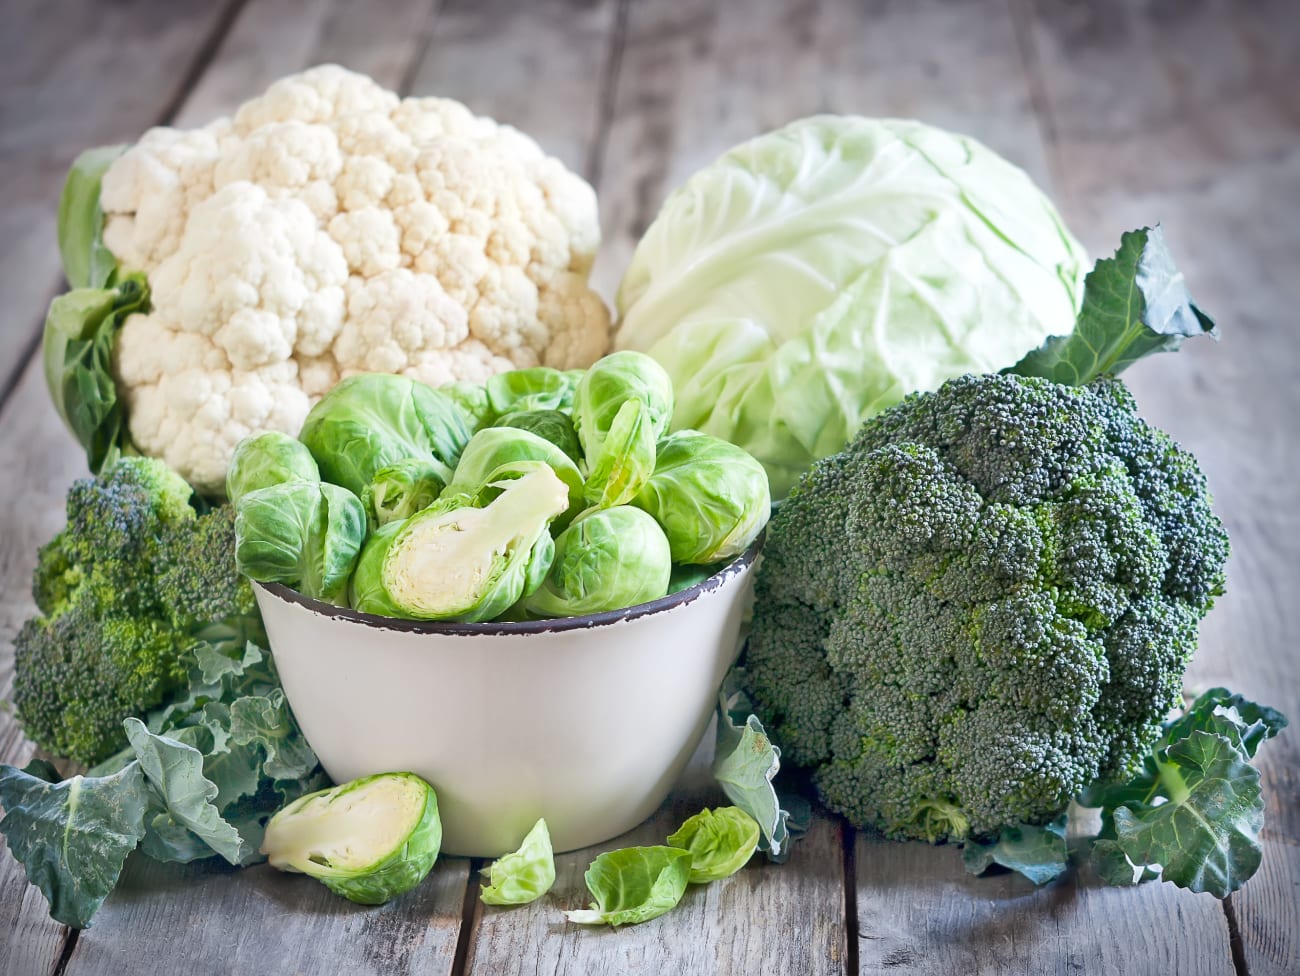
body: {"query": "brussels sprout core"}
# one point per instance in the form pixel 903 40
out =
pixel 443 559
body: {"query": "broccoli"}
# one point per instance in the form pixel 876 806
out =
pixel 983 605
pixel 124 592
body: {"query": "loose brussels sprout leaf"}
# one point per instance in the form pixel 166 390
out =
pixel 607 559
pixel 473 402
pixel 304 535
pixel 550 425
pixel 634 885
pixel 400 490
pixel 269 458
pixel 493 447
pixel 369 840
pixel 609 384
pixel 720 842
pixel 711 497
pixel 536 388
pixel 372 420
pixel 525 875
pixel 625 460
pixel 470 558
pixel 366 591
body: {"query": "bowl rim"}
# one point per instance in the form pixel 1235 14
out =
pixel 500 628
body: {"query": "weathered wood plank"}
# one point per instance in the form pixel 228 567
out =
pixel 166 919
pixel 536 66
pixel 1186 114
pixel 73 75
pixel 920 913
pixel 767 918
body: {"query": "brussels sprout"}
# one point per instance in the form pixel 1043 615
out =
pixel 372 420
pixel 470 557
pixel 550 425
pixel 683 576
pixel 303 534
pixel 369 840
pixel 611 382
pixel 366 591
pixel 402 489
pixel 721 841
pixel 266 459
pixel 609 558
pixel 625 460
pixel 710 497
pixel 492 447
pixel 536 388
pixel 473 402
pixel 525 875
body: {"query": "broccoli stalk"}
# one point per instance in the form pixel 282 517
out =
pixel 124 592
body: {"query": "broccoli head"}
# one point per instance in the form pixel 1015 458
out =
pixel 983 605
pixel 125 591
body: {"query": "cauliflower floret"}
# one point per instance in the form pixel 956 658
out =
pixel 332 228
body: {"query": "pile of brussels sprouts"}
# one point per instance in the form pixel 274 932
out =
pixel 538 494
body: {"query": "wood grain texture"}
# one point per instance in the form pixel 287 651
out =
pixel 768 918
pixel 203 919
pixel 921 914
pixel 1186 114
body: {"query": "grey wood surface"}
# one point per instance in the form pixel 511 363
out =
pixel 1128 112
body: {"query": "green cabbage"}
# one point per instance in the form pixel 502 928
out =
pixel 815 275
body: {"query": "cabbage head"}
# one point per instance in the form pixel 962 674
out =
pixel 815 275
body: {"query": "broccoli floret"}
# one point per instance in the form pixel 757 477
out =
pixel 124 591
pixel 983 605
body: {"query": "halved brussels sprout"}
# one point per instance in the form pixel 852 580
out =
pixel 304 534
pixel 469 558
pixel 473 402
pixel 492 447
pixel 372 420
pixel 369 840
pixel 625 460
pixel 609 384
pixel 269 458
pixel 710 496
pixel 609 558
pixel 400 490
pixel 550 425
pixel 535 388
pixel 523 876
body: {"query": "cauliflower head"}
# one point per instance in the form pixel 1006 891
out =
pixel 332 228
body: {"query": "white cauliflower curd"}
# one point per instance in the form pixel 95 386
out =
pixel 331 228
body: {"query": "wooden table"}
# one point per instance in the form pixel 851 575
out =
pixel 1128 112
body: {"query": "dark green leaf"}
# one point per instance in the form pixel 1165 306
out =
pixel 73 837
pixel 267 722
pixel 1220 710
pixel 1038 853
pixel 1205 836
pixel 1134 304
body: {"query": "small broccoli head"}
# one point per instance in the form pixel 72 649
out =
pixel 983 605
pixel 125 590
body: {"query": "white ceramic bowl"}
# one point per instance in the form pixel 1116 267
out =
pixel 586 721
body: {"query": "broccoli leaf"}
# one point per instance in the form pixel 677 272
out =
pixel 72 837
pixel 1134 304
pixel 1205 837
pixel 744 764
pixel 1038 853
pixel 1113 866
pixel 267 722
pixel 1220 710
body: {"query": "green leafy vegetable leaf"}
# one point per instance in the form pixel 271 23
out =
pixel 1134 304
pixel 720 841
pixel 87 263
pixel 634 884
pixel 1038 853
pixel 1205 836
pixel 745 763
pixel 73 837
pixel 267 722
pixel 524 875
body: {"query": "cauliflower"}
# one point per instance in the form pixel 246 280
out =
pixel 331 228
